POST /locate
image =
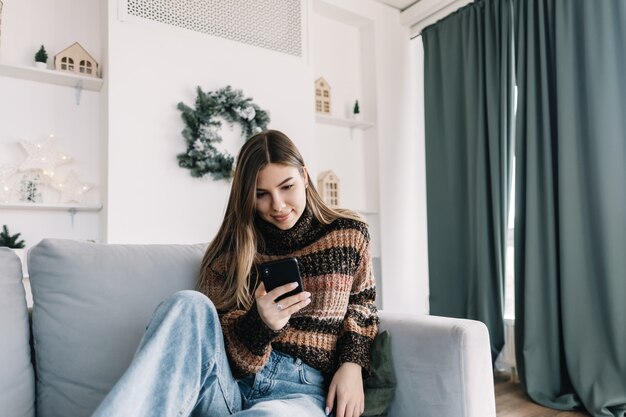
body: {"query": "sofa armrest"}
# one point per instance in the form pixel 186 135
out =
pixel 443 366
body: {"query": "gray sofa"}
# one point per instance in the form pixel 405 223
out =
pixel 93 301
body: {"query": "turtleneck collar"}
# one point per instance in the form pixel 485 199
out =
pixel 279 242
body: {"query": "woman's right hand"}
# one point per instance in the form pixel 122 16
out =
pixel 276 315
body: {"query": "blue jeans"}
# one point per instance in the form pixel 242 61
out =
pixel 181 369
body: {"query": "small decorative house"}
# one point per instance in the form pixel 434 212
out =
pixel 322 96
pixel 76 59
pixel 328 187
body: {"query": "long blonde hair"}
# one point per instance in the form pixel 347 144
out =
pixel 237 237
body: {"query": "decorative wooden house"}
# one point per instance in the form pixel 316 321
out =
pixel 328 187
pixel 322 96
pixel 76 59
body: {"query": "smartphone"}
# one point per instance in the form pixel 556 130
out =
pixel 281 272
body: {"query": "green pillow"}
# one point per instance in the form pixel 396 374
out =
pixel 381 385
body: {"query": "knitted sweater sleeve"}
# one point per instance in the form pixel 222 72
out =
pixel 246 336
pixel 360 324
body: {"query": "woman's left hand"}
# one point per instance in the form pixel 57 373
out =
pixel 346 389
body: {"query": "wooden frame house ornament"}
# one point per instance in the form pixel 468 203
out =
pixel 77 60
pixel 328 188
pixel 322 96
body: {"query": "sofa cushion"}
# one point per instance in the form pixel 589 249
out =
pixel 92 303
pixel 381 385
pixel 17 382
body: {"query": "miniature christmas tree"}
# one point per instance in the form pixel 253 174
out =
pixel 10 241
pixel 356 110
pixel 41 55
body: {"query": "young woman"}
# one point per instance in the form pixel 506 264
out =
pixel 231 349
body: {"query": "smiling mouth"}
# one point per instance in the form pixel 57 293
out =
pixel 281 218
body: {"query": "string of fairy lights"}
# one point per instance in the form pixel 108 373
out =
pixel 24 182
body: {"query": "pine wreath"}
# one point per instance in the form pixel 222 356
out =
pixel 201 132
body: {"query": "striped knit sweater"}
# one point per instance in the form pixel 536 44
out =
pixel 341 321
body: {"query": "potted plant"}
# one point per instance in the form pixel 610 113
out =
pixel 12 242
pixel 41 58
pixel 356 112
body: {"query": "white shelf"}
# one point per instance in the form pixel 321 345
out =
pixel 337 121
pixel 53 207
pixel 51 77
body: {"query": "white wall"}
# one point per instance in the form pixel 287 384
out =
pixel 421 248
pixel 401 174
pixel 336 54
pixel 150 199
pixel 27 24
pixel 33 110
pixel 149 67
pixel 153 66
pixel 400 155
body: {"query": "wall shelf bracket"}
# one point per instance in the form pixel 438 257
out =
pixel 79 91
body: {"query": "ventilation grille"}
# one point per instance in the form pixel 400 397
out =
pixel 270 24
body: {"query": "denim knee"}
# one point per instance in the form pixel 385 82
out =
pixel 189 297
pixel 191 304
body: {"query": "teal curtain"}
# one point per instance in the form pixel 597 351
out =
pixel 570 229
pixel 468 82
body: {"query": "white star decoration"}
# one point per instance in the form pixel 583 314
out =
pixel 72 189
pixel 43 156
pixel 5 192
pixel 6 171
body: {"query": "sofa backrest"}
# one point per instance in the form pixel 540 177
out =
pixel 91 305
pixel 17 384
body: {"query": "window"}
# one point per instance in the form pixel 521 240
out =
pixel 67 64
pixel 509 260
pixel 509 269
pixel 85 67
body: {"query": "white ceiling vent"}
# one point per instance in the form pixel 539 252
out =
pixel 270 24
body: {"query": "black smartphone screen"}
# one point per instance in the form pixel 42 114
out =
pixel 281 272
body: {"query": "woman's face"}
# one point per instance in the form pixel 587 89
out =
pixel 281 195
